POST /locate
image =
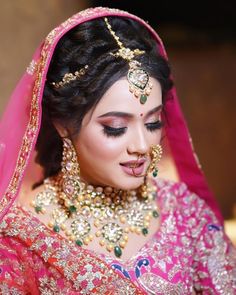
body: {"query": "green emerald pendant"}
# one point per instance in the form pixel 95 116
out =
pixel 56 228
pixel 155 173
pixel 145 231
pixel 155 214
pixel 143 98
pixel 79 243
pixel 38 209
pixel 72 209
pixel 117 251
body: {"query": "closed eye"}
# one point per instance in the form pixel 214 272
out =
pixel 111 131
pixel 154 125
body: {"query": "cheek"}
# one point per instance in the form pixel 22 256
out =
pixel 96 145
pixel 155 137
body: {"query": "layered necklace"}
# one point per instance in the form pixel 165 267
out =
pixel 107 214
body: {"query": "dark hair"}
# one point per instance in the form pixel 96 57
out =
pixel 90 44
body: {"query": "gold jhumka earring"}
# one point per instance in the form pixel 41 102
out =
pixel 155 154
pixel 138 78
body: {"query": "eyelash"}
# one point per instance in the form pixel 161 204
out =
pixel 115 132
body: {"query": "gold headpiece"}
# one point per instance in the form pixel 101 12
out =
pixel 138 78
pixel 68 77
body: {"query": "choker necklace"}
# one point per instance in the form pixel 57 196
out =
pixel 110 214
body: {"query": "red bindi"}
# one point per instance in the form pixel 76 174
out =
pixel 141 114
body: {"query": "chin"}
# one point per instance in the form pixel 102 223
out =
pixel 130 184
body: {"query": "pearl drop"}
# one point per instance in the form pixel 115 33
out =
pixel 122 219
pixel 108 189
pixel 122 244
pixel 90 188
pixel 102 243
pixel 98 233
pixel 109 247
pixel 86 241
pixel 99 189
pixel 126 238
pixel 50 224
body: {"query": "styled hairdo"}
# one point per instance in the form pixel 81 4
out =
pixel 90 44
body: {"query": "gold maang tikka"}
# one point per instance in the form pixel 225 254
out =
pixel 138 78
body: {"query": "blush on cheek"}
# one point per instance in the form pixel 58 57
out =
pixel 98 147
pixel 109 148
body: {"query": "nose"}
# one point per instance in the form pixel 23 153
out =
pixel 138 142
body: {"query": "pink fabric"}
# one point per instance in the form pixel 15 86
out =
pixel 190 251
pixel 20 123
pixel 36 260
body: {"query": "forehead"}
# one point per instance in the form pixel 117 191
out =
pixel 119 98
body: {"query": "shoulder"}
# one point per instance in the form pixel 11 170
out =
pixel 26 197
pixel 177 198
pixel 177 193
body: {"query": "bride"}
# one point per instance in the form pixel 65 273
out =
pixel 100 191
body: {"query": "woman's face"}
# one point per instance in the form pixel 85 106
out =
pixel 115 132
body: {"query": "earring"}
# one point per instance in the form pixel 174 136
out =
pixel 70 170
pixel 155 154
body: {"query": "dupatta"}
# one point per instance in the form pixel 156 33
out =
pixel 20 124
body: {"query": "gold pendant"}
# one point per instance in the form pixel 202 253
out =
pixel 139 81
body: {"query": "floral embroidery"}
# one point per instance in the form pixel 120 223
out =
pixel 85 273
pixel 189 252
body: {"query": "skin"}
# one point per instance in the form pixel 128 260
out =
pixel 100 155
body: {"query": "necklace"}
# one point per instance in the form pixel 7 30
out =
pixel 111 214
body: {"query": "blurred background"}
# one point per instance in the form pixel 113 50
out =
pixel 200 39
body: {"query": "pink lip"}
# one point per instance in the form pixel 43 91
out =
pixel 136 171
pixel 136 162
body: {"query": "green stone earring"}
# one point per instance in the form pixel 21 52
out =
pixel 155 154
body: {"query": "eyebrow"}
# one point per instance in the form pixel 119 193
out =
pixel 129 115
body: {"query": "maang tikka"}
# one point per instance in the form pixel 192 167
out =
pixel 138 78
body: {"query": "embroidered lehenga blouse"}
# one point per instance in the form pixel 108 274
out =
pixel 190 252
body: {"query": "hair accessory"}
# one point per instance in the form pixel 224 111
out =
pixel 138 78
pixel 156 154
pixel 68 77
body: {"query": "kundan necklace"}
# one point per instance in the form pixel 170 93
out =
pixel 111 214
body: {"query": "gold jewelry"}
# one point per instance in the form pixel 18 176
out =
pixel 156 154
pixel 79 209
pixel 138 78
pixel 68 77
pixel 70 170
pixel 110 213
